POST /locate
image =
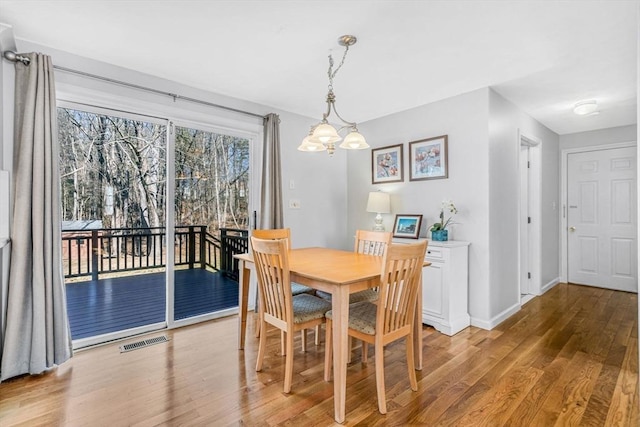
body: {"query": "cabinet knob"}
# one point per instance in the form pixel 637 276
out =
pixel 572 229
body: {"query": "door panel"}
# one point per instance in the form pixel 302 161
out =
pixel 602 218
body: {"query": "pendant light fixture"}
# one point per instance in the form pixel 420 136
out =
pixel 323 136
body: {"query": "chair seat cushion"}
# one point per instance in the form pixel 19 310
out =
pixel 297 289
pixel 362 317
pixel 369 295
pixel 307 307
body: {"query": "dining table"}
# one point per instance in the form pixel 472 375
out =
pixel 339 273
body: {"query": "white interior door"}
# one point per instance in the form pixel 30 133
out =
pixel 602 218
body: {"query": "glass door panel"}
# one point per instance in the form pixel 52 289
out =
pixel 211 220
pixel 113 182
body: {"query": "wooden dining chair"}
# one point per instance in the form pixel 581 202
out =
pixel 282 233
pixel 278 307
pixel 392 317
pixel 296 288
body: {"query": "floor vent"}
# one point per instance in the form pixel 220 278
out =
pixel 141 344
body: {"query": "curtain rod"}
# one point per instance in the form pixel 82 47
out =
pixel 14 57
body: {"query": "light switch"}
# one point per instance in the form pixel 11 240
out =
pixel 292 184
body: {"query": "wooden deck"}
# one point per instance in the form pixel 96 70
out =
pixel 108 305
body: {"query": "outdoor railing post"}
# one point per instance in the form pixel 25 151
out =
pixel 94 254
pixel 223 249
pixel 192 247
pixel 203 246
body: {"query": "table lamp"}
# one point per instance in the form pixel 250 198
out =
pixel 379 203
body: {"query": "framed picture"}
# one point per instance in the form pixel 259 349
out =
pixel 428 159
pixel 386 164
pixel 407 226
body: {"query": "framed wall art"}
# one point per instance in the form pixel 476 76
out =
pixel 428 159
pixel 386 164
pixel 407 226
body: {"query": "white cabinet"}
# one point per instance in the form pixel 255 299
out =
pixel 445 285
pixel 445 290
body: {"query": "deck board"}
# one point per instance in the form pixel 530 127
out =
pixel 109 305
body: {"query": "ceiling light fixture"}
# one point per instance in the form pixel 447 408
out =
pixel 583 108
pixel 323 136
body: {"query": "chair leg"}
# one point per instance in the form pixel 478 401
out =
pixel 283 341
pixel 303 339
pixel 382 398
pixel 261 346
pixel 258 312
pixel 365 352
pixel 288 373
pixel 317 342
pixel 350 346
pixel 328 349
pixel 410 363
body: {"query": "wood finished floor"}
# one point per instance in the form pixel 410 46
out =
pixel 569 357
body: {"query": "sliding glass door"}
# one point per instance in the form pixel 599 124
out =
pixel 153 213
pixel 211 219
pixel 113 181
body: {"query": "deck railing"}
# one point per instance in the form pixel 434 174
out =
pixel 94 252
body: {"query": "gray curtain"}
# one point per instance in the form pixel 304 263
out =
pixel 37 335
pixel 271 214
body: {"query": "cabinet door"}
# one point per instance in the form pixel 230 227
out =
pixel 432 292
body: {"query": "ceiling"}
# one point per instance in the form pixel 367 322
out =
pixel 544 56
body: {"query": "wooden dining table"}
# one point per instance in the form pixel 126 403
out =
pixel 339 273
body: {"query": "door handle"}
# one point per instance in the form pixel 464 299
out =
pixel 572 229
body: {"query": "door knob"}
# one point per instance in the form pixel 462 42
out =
pixel 572 229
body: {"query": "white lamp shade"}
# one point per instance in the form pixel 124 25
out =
pixel 325 133
pixel 311 147
pixel 379 202
pixel 354 141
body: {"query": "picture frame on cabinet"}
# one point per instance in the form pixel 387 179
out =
pixel 428 158
pixel 407 226
pixel 387 164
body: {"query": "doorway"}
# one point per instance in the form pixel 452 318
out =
pixel 529 217
pixel 601 217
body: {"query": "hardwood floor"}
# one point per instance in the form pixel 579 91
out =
pixel 569 357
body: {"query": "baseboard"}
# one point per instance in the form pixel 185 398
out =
pixel 549 285
pixel 496 320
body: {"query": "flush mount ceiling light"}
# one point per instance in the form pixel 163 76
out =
pixel 585 107
pixel 323 136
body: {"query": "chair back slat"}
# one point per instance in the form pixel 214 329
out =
pixel 399 283
pixel 372 242
pixel 272 267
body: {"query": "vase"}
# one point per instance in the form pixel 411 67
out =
pixel 440 235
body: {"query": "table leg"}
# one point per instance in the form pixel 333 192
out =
pixel 243 302
pixel 340 307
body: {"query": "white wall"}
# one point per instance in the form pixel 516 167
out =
pixel 599 137
pixel 464 119
pixel 483 182
pixel 6 136
pixel 505 121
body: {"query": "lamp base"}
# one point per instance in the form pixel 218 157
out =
pixel 378 223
